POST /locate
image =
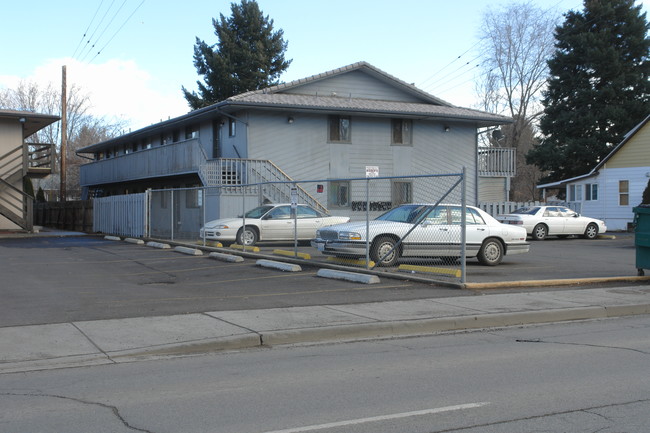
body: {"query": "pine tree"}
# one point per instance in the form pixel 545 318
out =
pixel 598 87
pixel 645 199
pixel 249 55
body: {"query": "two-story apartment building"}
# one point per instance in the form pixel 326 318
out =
pixel 328 126
pixel 19 159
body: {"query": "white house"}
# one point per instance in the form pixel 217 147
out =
pixel 616 184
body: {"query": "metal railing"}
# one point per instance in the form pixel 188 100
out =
pixel 254 176
pixel 497 161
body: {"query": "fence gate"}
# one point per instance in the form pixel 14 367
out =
pixel 122 215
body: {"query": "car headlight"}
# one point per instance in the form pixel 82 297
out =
pixel 350 236
pixel 220 227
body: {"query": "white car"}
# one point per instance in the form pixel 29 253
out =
pixel 425 230
pixel 543 221
pixel 272 222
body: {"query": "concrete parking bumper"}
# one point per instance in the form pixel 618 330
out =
pixel 72 344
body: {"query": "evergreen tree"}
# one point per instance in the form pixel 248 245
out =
pixel 249 55
pixel 40 195
pixel 597 89
pixel 645 199
pixel 28 186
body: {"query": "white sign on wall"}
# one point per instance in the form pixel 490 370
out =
pixel 372 171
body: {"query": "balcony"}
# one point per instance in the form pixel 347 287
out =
pixel 39 159
pixel 497 161
pixel 172 159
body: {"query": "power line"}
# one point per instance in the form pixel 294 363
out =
pixel 88 28
pixel 105 28
pixel 448 64
pixel 117 31
pixel 95 31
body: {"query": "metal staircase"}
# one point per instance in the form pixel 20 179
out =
pixel 254 176
pixel 29 160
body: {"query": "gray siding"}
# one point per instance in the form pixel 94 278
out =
pixel 355 84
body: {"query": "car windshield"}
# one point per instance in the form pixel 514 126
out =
pixel 403 214
pixel 258 212
pixel 526 210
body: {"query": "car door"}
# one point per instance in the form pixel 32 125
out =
pixel 554 220
pixel 433 236
pixel 309 221
pixel 573 225
pixel 277 224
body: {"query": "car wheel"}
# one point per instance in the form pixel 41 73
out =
pixel 539 232
pixel 491 252
pixel 591 232
pixel 247 236
pixel 380 247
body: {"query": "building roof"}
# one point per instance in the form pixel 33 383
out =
pixel 594 171
pixel 279 98
pixel 359 66
pixel 33 122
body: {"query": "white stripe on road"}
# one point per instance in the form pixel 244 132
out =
pixel 381 418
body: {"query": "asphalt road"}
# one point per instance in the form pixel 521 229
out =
pixel 74 278
pixel 568 377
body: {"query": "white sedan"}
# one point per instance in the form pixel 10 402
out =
pixel 272 222
pixel 424 230
pixel 543 221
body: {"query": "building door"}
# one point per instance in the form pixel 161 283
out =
pixel 216 138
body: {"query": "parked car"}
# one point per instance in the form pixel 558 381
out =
pixel 272 222
pixel 425 230
pixel 543 221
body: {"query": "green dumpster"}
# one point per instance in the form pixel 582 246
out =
pixel 642 237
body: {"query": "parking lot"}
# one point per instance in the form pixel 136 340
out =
pixel 611 255
pixel 86 277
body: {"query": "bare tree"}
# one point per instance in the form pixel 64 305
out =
pixel 82 127
pixel 516 41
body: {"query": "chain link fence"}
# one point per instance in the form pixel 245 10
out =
pixel 405 223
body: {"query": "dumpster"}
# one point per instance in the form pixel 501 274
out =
pixel 642 237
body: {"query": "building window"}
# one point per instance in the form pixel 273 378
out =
pixel 575 192
pixel 402 131
pixel 591 192
pixel 232 127
pixel 402 193
pixel 339 129
pixel 624 192
pixel 339 194
pixel 192 132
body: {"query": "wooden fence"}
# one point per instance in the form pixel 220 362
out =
pixel 68 215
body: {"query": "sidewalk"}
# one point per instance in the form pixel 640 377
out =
pixel 39 347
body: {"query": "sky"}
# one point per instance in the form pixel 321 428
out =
pixel 133 56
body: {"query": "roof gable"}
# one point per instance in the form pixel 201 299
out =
pixel 633 151
pixel 356 81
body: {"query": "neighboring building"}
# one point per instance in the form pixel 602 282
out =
pixel 616 184
pixel 327 126
pixel 20 159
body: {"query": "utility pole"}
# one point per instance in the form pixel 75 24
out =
pixel 64 134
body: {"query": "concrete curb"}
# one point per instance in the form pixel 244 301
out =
pixel 413 328
pixel 226 257
pixel 348 276
pixel 158 245
pixel 189 251
pixel 134 241
pixel 553 283
pixel 287 267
